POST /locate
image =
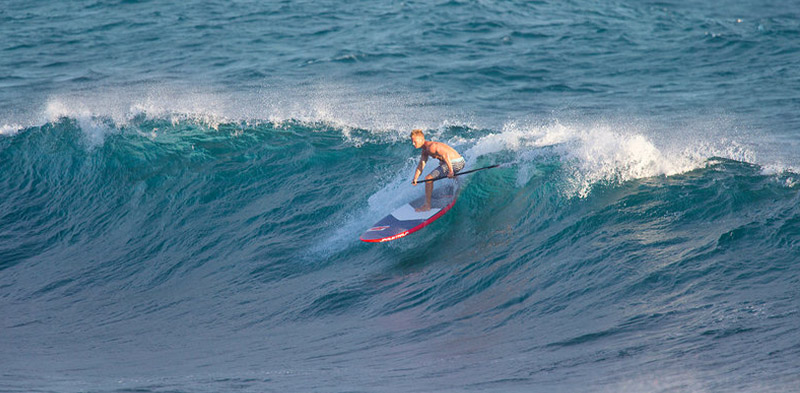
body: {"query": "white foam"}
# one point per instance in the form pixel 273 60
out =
pixel 598 151
pixel 10 129
pixel 385 115
pixel 605 152
pixel 95 128
pixel 395 191
pixel 779 168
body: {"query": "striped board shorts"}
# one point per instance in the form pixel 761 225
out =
pixel 442 171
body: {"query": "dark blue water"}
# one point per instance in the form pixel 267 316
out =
pixel 183 185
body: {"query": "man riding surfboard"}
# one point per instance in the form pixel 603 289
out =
pixel 450 163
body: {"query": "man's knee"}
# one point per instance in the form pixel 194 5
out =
pixel 428 177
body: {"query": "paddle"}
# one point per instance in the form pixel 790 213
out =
pixel 464 173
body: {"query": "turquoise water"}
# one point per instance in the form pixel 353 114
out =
pixel 182 188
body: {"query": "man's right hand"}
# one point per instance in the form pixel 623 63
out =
pixel 414 182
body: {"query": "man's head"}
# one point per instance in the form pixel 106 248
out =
pixel 417 138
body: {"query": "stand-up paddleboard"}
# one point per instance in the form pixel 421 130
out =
pixel 406 220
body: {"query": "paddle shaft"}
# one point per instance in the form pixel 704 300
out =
pixel 459 173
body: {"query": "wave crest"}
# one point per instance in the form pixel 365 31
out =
pixel 603 152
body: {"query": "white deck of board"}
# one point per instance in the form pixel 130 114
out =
pixel 407 213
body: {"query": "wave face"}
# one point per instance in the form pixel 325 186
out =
pixel 183 186
pixel 195 258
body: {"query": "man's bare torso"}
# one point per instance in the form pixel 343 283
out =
pixel 439 151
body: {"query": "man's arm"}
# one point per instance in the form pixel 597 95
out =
pixel 451 173
pixel 423 158
pixel 446 153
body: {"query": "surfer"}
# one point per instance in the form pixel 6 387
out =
pixel 450 163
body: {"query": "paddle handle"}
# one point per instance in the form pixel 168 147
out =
pixel 460 173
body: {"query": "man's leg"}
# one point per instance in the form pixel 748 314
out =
pixel 428 193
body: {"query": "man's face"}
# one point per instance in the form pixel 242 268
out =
pixel 417 141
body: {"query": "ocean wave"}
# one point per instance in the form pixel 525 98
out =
pixel 387 113
pixel 602 152
pixel 253 228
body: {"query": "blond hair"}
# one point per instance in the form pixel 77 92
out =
pixel 417 132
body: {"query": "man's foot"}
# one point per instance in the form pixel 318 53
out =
pixel 423 208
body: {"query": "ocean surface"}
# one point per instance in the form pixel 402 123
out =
pixel 183 185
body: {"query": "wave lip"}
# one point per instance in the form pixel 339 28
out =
pixel 10 129
pixel 386 114
pixel 604 153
